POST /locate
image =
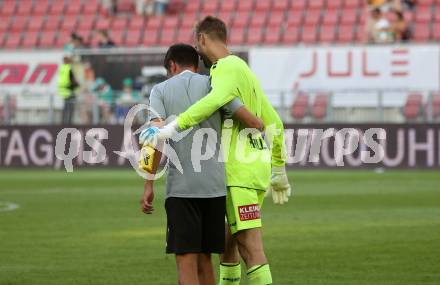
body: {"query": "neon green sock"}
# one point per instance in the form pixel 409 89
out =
pixel 230 273
pixel 259 275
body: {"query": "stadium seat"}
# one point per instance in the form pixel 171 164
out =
pixel 185 36
pixel 52 23
pixel 241 19
pixel 171 22
pixel 57 8
pixel 210 7
pixel 74 8
pixel 263 5
pixel 133 37
pixel 413 106
pixel 192 6
pixel 19 23
pixel 136 23
pixel 245 5
pixel 167 37
pixel 308 35
pixel 352 4
pixel 86 22
pixel 349 16
pixel 327 34
pixel 272 36
pixel 300 106
pixel 189 20
pixel 316 4
pixel 331 17
pixel 92 7
pixel 125 6
pixel 423 15
pixel 436 31
pixel 299 5
pixel 42 8
pixel 154 22
pixel 345 34
pixel 333 4
pixel 426 2
pixel 254 36
pixel 280 5
pixel 25 8
pixel 422 32
pixel 291 35
pixel 118 36
pixel 258 19
pixel 62 38
pixel 226 17
pixel 35 23
pixel 119 23
pixel 312 17
pixel 294 18
pixel 68 23
pixel 150 37
pixel 236 36
pixel 102 23
pixel 227 6
pixel 320 106
pixel 47 39
pixel 8 8
pixel 276 19
pixel 30 40
pixel 436 105
pixel 12 40
pixel 5 20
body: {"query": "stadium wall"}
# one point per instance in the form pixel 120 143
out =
pixel 309 146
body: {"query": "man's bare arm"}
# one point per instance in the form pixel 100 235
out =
pixel 248 119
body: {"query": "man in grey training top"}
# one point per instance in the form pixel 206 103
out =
pixel 195 199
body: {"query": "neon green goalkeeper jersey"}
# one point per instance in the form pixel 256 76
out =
pixel 248 158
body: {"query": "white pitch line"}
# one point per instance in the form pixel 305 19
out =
pixel 8 206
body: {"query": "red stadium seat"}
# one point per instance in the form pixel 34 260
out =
pixel 327 34
pixel 436 105
pixel 309 35
pixel 57 8
pixel 280 5
pixel 258 19
pixel 119 23
pixel 237 36
pixel 30 40
pixel 8 8
pixel 299 5
pixel 424 14
pixel 91 7
pixel 118 36
pixel 86 22
pixel 189 20
pixel 41 8
pixel 320 105
pixel 316 4
pixel 192 6
pixel 2 38
pixel 210 7
pixel 167 37
pixel 25 8
pixel 300 107
pixel 12 40
pixel 74 8
pixel 276 19
pixel 422 33
pixel 245 5
pixel 272 36
pixel 436 31
pixel 19 23
pixel 133 38
pixel 352 4
pixel 47 39
pixel 88 36
pixel 255 36
pixel 349 16
pixel 334 4
pixel 226 18
pixel 263 5
pixel 331 17
pixel 69 23
pixel 409 16
pixel 102 23
pixel 5 20
pixel 185 35
pixel 425 2
pixel 154 22
pixel 62 39
pixel 291 35
pixel 241 19
pixel 227 6
pixel 345 34
pixel 312 18
pixel 413 106
pixel 136 23
pixel 171 22
pixel 295 18
pixel 52 23
pixel 35 23
pixel 150 37
pixel 126 6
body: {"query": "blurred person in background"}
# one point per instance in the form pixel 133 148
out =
pixel 144 7
pixel 104 40
pixel 400 28
pixel 104 98
pixel 125 100
pixel 75 42
pixel 67 85
pixel 160 7
pixel 111 5
pixel 378 28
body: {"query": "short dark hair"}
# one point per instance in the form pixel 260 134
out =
pixel 213 27
pixel 183 55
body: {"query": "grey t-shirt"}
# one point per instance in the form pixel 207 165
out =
pixel 203 178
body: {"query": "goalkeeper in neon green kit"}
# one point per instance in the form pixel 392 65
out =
pixel 249 161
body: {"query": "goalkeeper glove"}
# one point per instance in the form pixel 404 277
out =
pixel 279 185
pixel 151 134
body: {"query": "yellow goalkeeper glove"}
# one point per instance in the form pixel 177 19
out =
pixel 279 185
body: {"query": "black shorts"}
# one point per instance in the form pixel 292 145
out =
pixel 195 225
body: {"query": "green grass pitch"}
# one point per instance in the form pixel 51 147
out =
pixel 341 227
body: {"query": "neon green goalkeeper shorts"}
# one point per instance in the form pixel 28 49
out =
pixel 243 207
